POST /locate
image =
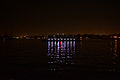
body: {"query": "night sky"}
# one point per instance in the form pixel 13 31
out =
pixel 52 16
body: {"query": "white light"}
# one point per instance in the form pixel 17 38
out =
pixel 51 62
pixel 48 38
pixel 68 56
pixel 64 38
pixel 51 38
pixel 54 38
pixel 61 38
pixel 17 37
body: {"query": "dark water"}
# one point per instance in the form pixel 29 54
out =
pixel 36 59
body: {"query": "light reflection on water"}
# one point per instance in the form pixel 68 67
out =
pixel 60 54
pixel 115 56
pixel 96 53
pixel 28 56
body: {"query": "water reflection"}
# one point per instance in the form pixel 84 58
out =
pixel 115 56
pixel 60 53
pixel 115 48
